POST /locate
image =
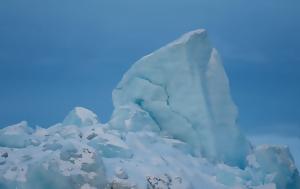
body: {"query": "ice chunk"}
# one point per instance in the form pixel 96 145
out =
pixel 110 150
pixel 52 146
pixel 16 136
pixel 184 90
pixel 19 128
pixel 80 116
pixel 275 164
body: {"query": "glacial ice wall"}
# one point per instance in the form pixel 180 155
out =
pixel 184 91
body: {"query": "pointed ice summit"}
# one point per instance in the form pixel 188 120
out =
pixel 173 127
pixel 183 91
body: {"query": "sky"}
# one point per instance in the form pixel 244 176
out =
pixel 58 54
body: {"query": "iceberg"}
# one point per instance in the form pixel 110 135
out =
pixel 173 126
pixel 185 91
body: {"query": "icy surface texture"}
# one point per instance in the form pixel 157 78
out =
pixel 182 91
pixel 99 157
pixel 57 157
pixel 274 163
pixel 173 127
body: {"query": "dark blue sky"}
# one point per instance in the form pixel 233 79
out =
pixel 58 54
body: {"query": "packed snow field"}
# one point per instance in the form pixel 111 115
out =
pixel 173 127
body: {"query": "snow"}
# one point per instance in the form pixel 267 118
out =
pixel 173 127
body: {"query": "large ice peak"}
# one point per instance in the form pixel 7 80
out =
pixel 184 90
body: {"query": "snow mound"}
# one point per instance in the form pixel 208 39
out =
pixel 173 127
